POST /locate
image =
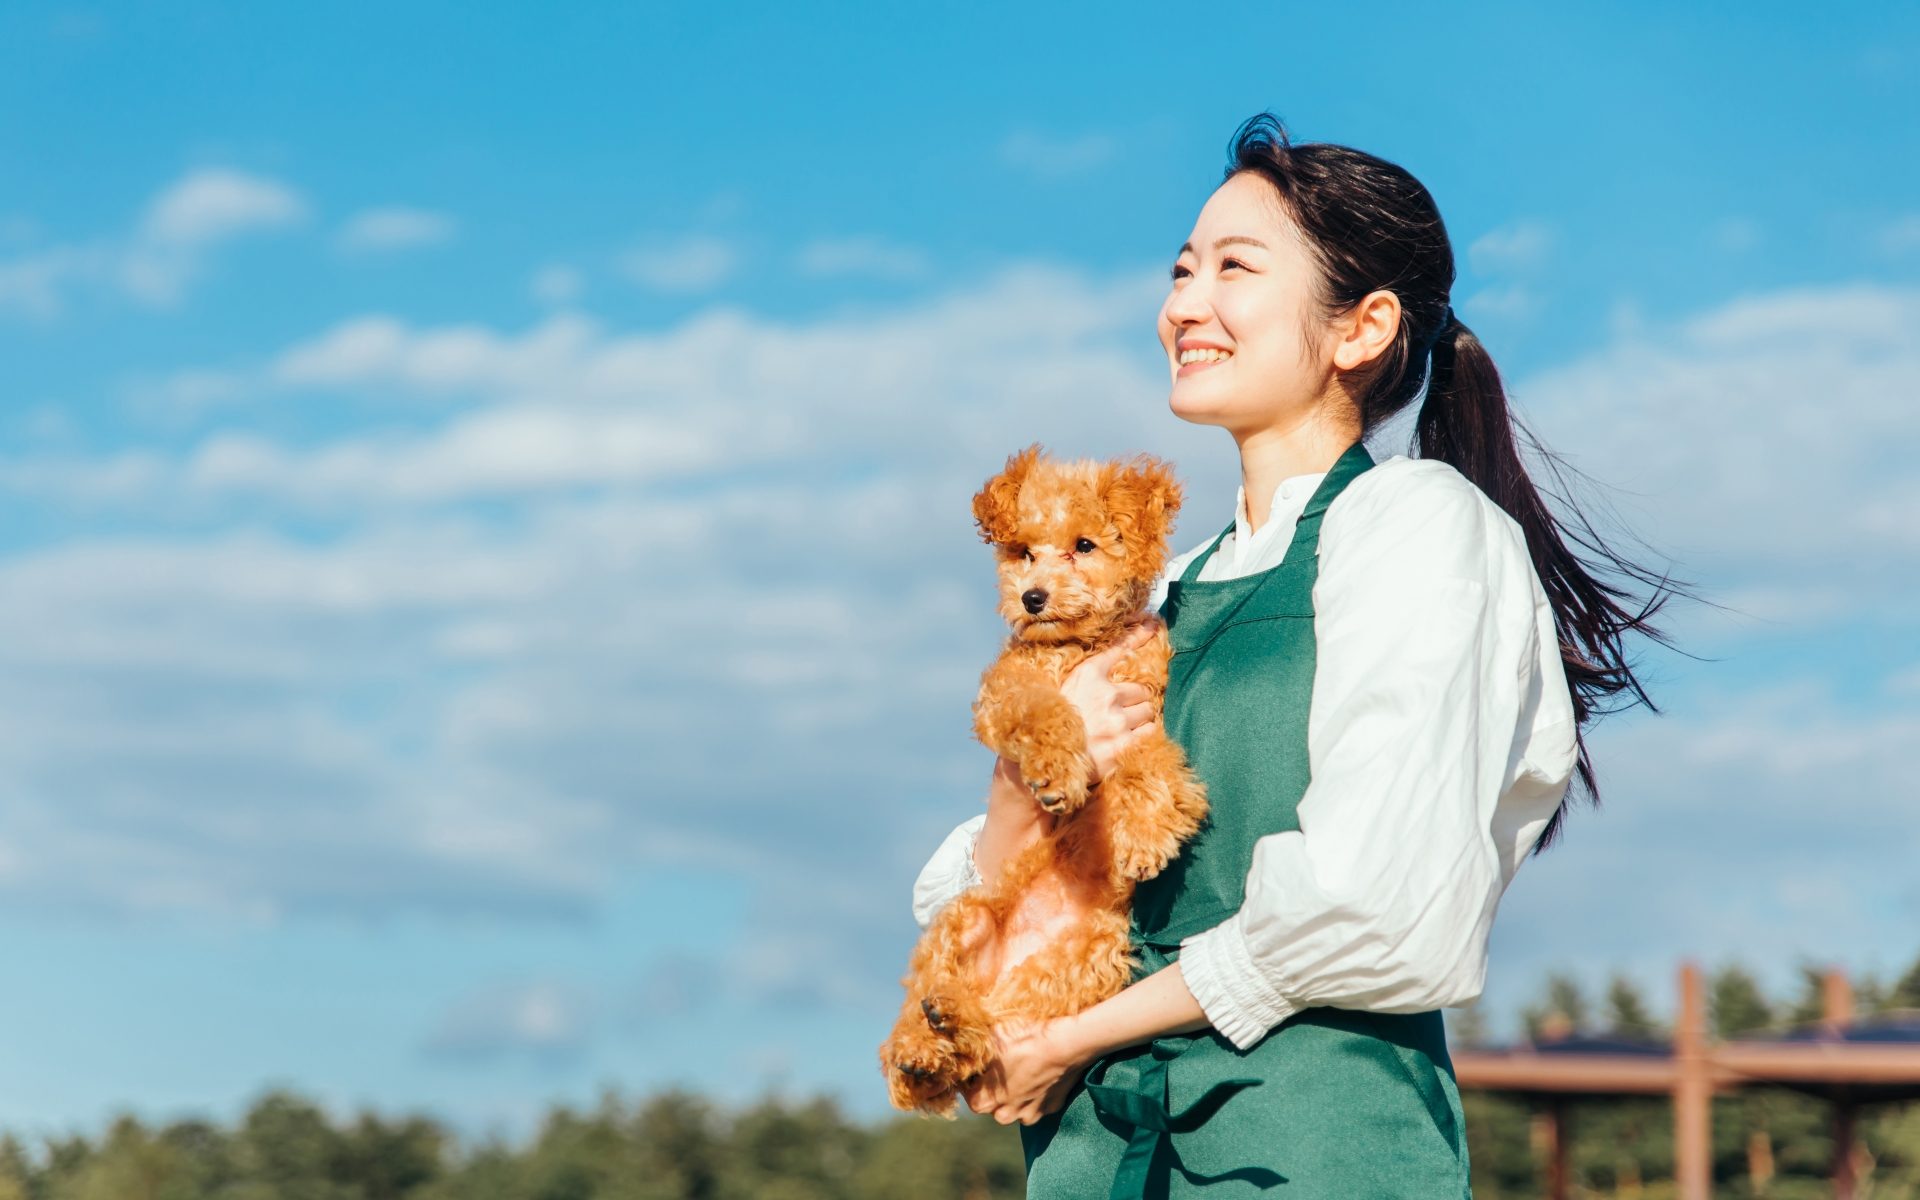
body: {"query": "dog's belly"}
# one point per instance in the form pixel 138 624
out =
pixel 1049 905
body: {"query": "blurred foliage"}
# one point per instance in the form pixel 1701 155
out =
pixel 675 1145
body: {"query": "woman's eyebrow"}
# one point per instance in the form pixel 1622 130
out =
pixel 1229 240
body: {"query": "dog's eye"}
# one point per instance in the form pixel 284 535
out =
pixel 1026 553
pixel 1084 546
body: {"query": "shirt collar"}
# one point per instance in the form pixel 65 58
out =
pixel 1289 500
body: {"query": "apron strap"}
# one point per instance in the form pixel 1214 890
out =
pixel 1193 567
pixel 1306 531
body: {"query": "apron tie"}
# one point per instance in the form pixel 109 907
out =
pixel 1143 1102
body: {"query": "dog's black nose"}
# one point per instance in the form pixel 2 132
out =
pixel 1034 599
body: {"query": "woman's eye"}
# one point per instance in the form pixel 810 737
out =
pixel 1233 262
pixel 1084 546
pixel 1178 271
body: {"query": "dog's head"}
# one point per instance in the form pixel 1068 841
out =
pixel 1079 544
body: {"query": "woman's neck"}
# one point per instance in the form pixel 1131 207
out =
pixel 1270 455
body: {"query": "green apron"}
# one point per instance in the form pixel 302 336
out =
pixel 1333 1104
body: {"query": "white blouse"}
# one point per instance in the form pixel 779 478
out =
pixel 1440 740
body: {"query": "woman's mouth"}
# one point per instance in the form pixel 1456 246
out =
pixel 1197 360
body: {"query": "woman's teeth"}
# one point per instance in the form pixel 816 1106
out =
pixel 1204 355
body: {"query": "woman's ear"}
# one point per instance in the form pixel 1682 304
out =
pixel 996 508
pixel 1141 497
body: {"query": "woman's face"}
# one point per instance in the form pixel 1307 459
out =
pixel 1243 288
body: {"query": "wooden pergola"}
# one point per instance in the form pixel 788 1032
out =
pixel 1846 1061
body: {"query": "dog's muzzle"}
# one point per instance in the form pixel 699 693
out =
pixel 1035 599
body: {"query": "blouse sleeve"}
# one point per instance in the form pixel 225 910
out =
pixel 949 872
pixel 1440 740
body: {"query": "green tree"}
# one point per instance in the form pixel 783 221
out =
pixel 1735 1003
pixel 1564 1002
pixel 1906 990
pixel 288 1150
pixel 1627 1010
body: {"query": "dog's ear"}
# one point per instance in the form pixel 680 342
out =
pixel 996 508
pixel 1141 497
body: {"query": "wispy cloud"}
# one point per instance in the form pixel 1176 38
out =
pixel 544 1020
pixel 388 229
pixel 166 250
pixel 871 257
pixel 1054 157
pixel 1519 248
pixel 1902 235
pixel 557 284
pixel 699 263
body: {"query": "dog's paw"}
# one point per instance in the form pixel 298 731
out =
pixel 921 1070
pixel 1058 781
pixel 1141 862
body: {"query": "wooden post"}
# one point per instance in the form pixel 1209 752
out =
pixel 1836 1001
pixel 1551 1142
pixel 1692 1092
pixel 1846 1178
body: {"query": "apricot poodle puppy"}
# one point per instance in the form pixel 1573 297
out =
pixel 1079 546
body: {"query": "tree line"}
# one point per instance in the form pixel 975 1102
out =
pixel 676 1145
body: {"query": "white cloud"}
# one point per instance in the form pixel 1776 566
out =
pixel 557 283
pixel 395 228
pixel 546 1019
pixel 215 204
pixel 164 253
pixel 1051 157
pixel 862 256
pixel 1901 235
pixel 1737 235
pixel 1518 248
pixel 566 404
pixel 1764 440
pixel 700 263
pixel 1509 302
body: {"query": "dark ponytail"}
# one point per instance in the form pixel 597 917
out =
pixel 1372 226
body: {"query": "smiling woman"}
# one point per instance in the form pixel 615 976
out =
pixel 1380 671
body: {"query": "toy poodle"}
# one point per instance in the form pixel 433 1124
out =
pixel 1079 546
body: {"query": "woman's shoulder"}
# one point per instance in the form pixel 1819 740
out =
pixel 1420 504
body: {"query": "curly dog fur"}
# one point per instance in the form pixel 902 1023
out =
pixel 1079 546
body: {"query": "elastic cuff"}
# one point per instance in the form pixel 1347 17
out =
pixel 970 870
pixel 1240 1001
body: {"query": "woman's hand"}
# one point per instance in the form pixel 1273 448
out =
pixel 1035 1065
pixel 1116 714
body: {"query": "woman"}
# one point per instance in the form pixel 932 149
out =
pixel 1380 671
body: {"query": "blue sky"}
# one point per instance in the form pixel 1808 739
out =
pixel 490 597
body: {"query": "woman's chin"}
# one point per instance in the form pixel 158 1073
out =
pixel 1198 409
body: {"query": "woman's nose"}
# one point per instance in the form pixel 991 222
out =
pixel 1188 306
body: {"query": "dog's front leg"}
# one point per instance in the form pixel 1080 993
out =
pixel 1023 716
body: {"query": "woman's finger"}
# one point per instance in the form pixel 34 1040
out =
pixel 1137 715
pixel 1129 694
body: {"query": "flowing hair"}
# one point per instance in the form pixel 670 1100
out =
pixel 1371 226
